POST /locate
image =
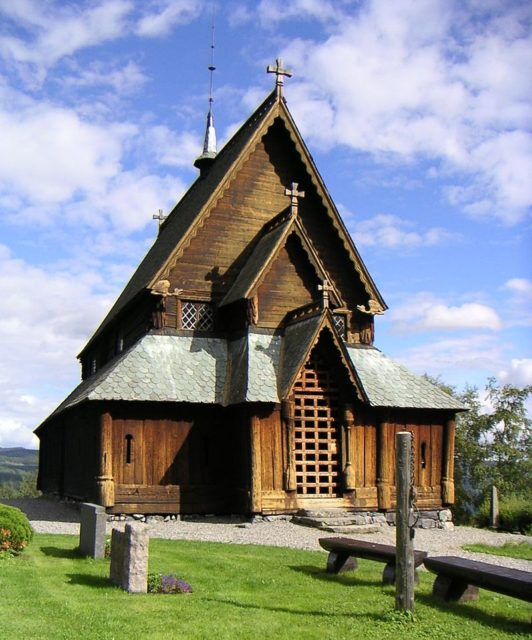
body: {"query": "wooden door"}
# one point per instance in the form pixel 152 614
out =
pixel 316 432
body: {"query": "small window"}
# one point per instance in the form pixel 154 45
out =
pixel 119 342
pixel 197 315
pixel 94 365
pixel 340 323
pixel 129 448
pixel 423 455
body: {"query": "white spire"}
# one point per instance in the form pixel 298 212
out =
pixel 209 144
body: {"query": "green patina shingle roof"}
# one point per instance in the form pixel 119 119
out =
pixel 389 384
pixel 254 368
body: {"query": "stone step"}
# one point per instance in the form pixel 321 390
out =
pixel 337 527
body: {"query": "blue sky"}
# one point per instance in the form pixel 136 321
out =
pixel 417 114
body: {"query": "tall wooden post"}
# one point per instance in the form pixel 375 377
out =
pixel 447 481
pixel 348 424
pixel 256 466
pixel 288 412
pixel 405 568
pixel 384 493
pixel 105 485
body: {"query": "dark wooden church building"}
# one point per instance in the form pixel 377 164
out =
pixel 237 372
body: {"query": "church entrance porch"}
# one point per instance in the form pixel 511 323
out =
pixel 316 442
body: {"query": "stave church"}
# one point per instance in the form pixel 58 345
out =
pixel 237 371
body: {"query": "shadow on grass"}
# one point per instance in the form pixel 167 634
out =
pixel 58 552
pixel 349 579
pixel 87 580
pixel 472 612
pixel 298 612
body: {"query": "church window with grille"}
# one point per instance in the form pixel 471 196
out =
pixel 198 316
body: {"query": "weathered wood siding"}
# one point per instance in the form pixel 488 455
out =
pixel 291 282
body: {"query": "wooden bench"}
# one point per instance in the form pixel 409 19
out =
pixel 344 551
pixel 458 579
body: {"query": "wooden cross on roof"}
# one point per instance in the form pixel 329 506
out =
pixel 294 195
pixel 279 73
pixel 325 288
pixel 160 217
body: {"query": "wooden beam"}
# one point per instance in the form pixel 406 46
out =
pixel 256 465
pixel 288 416
pixel 384 493
pixel 447 481
pixel 104 480
pixel 348 424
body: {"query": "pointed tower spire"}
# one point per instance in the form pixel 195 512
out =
pixel 208 154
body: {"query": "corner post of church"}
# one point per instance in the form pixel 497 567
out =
pixel 384 494
pixel 105 485
pixel 256 465
pixel 447 481
pixel 288 413
pixel 348 424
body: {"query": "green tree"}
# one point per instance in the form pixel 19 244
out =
pixel 492 447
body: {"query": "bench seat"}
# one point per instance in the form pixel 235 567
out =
pixel 458 579
pixel 344 551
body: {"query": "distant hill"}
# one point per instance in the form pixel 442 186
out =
pixel 15 462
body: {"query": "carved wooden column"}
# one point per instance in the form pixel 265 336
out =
pixel 288 417
pixel 104 480
pixel 256 465
pixel 384 494
pixel 348 424
pixel 447 481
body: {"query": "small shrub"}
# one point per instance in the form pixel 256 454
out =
pixel 15 530
pixel 515 514
pixel 169 583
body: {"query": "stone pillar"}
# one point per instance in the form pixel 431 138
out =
pixel 288 417
pixel 348 425
pixel 384 494
pixel 129 558
pixel 105 485
pixel 447 481
pixel 92 530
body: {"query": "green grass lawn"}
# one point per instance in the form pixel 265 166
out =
pixel 239 592
pixel 521 550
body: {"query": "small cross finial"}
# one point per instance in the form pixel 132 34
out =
pixel 294 195
pixel 325 287
pixel 160 217
pixel 279 73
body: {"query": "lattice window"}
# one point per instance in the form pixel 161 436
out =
pixel 197 315
pixel 340 323
pixel 316 431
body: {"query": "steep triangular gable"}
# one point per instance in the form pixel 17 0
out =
pixel 299 340
pixel 265 253
pixel 187 216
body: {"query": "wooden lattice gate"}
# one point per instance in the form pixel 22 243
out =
pixel 316 432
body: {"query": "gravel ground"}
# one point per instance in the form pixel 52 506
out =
pixel 49 516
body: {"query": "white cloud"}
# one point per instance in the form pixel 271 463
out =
pixel 518 373
pixel 46 316
pixel 426 80
pixel 123 80
pixel 424 312
pixel 391 231
pixel 61 30
pixel 165 14
pixel 520 286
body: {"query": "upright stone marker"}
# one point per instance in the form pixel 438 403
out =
pixel 494 508
pixel 405 566
pixel 129 558
pixel 92 530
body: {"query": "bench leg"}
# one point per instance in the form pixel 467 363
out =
pixel 388 575
pixel 453 589
pixel 340 562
